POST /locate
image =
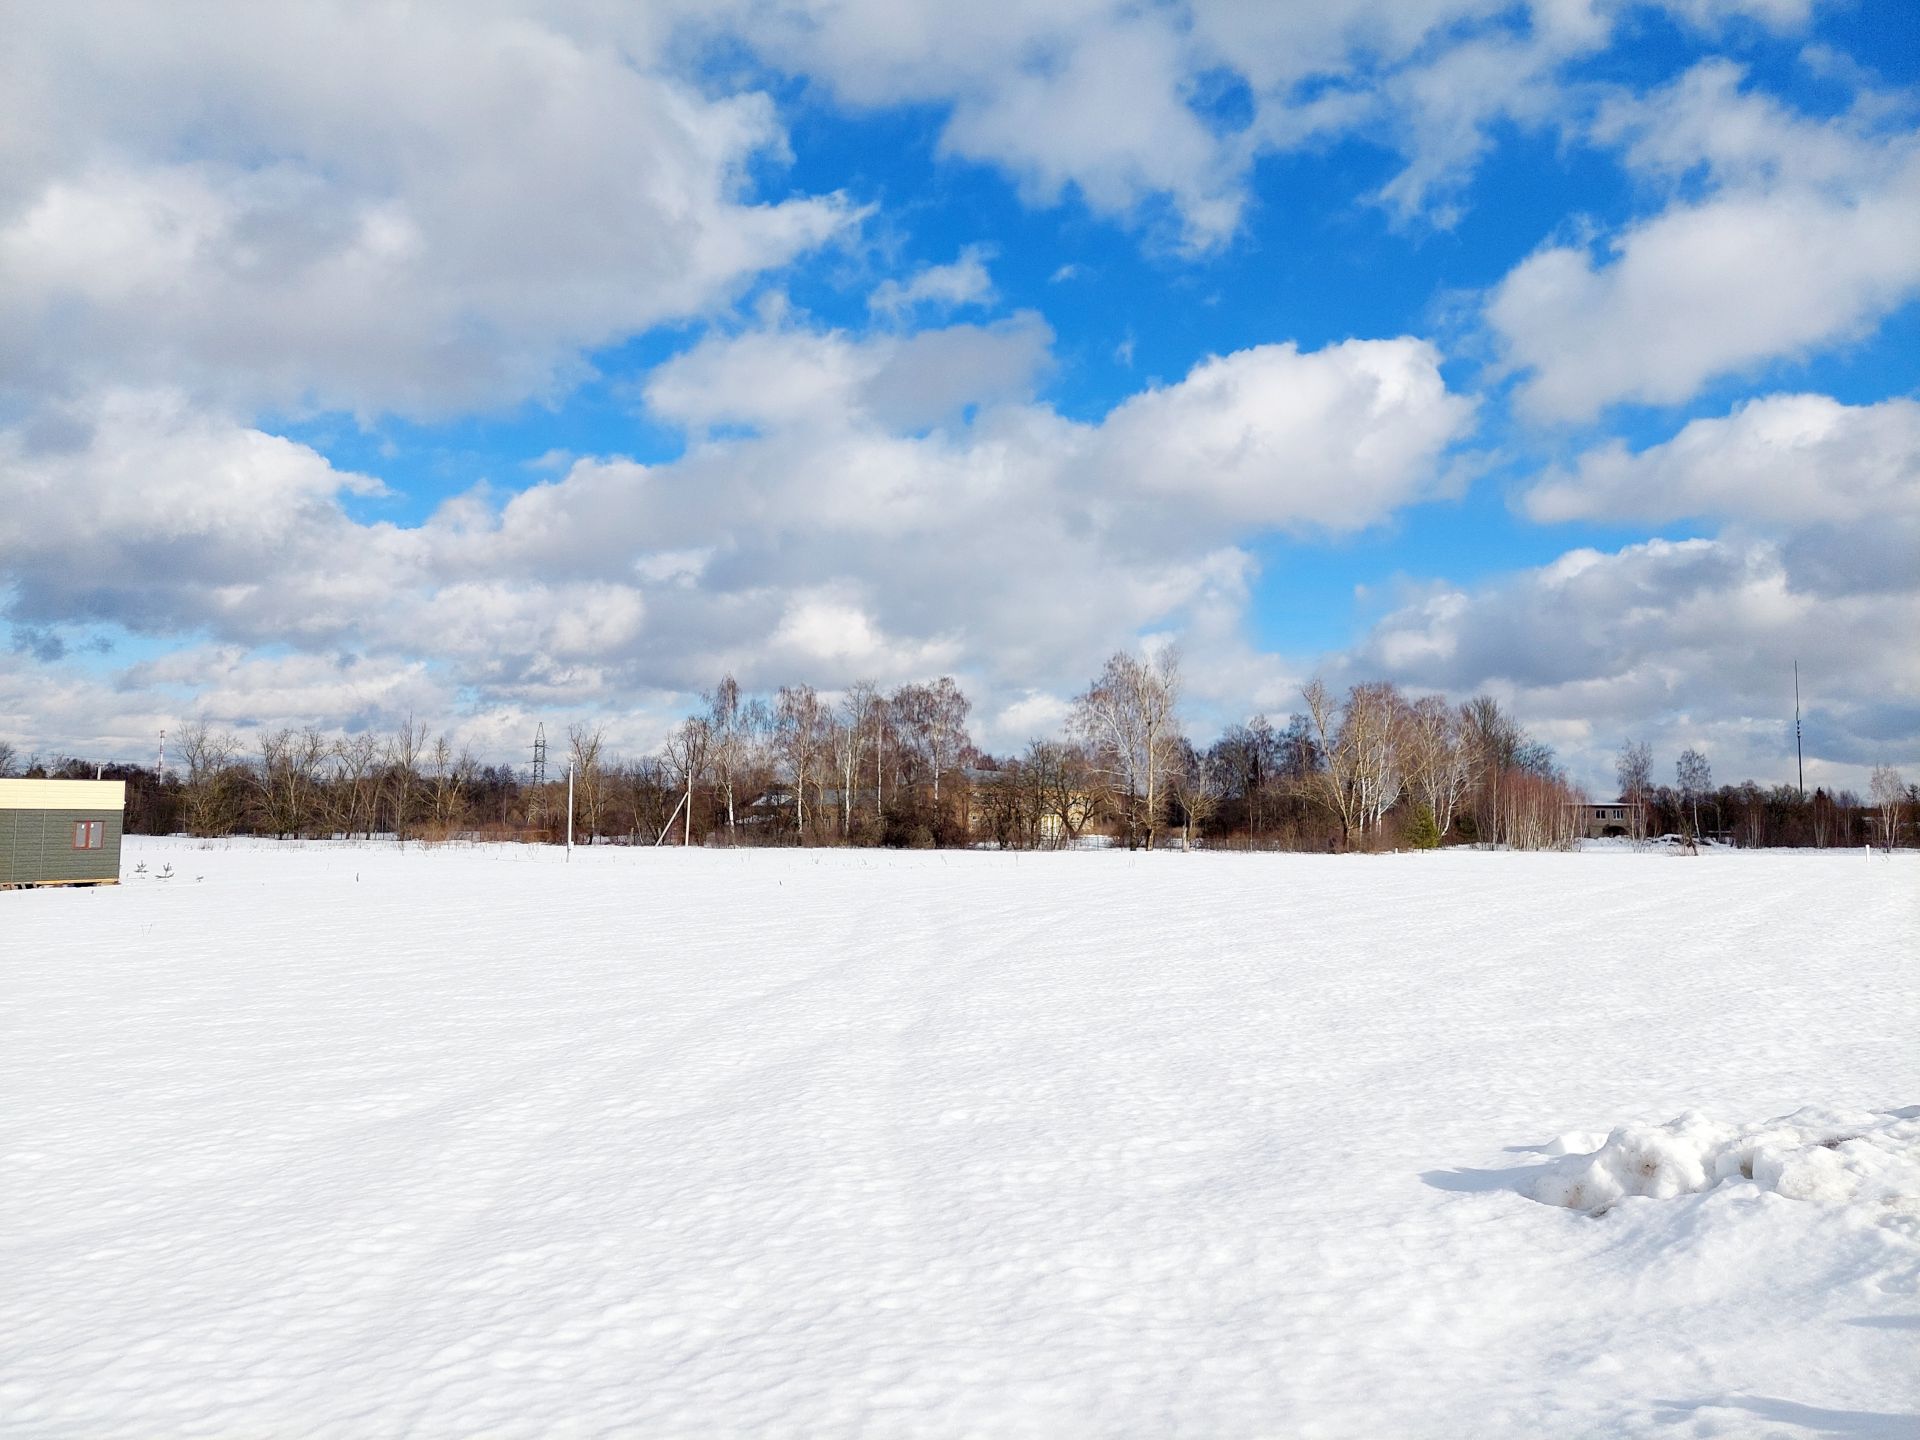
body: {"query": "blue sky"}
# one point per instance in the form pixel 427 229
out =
pixel 539 363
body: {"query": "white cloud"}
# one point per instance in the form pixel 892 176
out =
pixel 1330 440
pixel 1081 94
pixel 807 378
pixel 1809 234
pixel 1107 99
pixel 876 522
pixel 402 208
pixel 1783 459
pixel 1687 642
pixel 939 288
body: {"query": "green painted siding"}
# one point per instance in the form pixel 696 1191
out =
pixel 37 846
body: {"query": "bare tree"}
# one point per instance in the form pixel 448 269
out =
pixel 649 797
pixel 1333 784
pixel 405 751
pixel 933 719
pixel 801 736
pixel 1196 787
pixel 1063 783
pixel 1826 819
pixel 688 750
pixel 1005 807
pixel 356 783
pixel 287 779
pixel 583 751
pixel 1889 792
pixel 1126 718
pixel 1247 759
pixel 7 756
pixel 852 732
pixel 1440 763
pixel 1372 729
pixel 449 778
pixel 1634 770
pixel 886 745
pixel 726 722
pixel 1695 777
pixel 1494 741
pixel 212 790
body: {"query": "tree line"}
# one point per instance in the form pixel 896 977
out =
pixel 1755 816
pixel 1369 769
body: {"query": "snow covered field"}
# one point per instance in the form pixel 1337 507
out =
pixel 351 1141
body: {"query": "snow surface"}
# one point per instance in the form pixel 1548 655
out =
pixel 348 1141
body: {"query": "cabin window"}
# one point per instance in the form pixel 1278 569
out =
pixel 89 834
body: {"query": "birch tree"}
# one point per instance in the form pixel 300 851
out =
pixel 449 778
pixel 405 749
pixel 1333 782
pixel 800 735
pixel 851 737
pixel 1888 792
pixel 727 727
pixel 1372 729
pixel 1440 761
pixel 1634 770
pixel 934 721
pixel 1126 718
pixel 1695 778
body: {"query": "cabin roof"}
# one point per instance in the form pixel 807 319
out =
pixel 63 794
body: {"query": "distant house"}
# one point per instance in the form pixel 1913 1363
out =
pixel 1605 820
pixel 61 832
pixel 1002 804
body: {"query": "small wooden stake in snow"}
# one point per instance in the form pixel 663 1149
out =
pixel 569 812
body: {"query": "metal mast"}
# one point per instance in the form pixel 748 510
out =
pixel 537 786
pixel 1800 760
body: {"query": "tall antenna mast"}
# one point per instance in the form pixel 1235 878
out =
pixel 540 755
pixel 1800 759
pixel 160 763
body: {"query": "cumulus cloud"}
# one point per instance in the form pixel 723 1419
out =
pixel 1780 460
pixel 808 378
pixel 411 209
pixel 1331 440
pixel 938 288
pixel 1809 233
pixel 1117 103
pixel 1677 642
pixel 846 508
pixel 1088 95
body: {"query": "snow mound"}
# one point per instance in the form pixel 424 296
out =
pixel 1835 1157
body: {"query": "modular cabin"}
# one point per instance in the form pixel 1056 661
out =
pixel 61 832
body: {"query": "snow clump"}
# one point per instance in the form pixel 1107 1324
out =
pixel 1834 1157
